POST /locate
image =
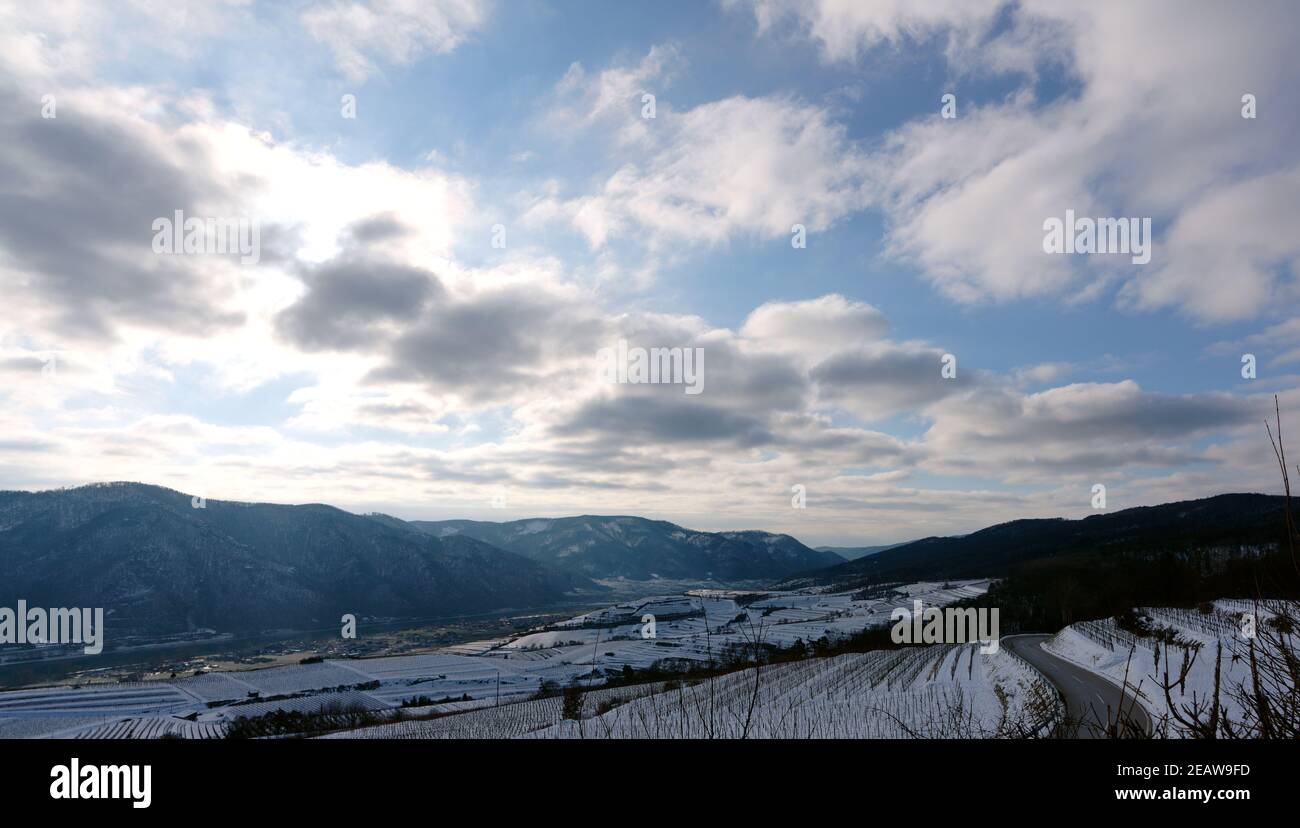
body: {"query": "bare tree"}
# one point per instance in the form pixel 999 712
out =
pixel 1265 704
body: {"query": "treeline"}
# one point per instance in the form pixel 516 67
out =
pixel 330 717
pixel 1050 593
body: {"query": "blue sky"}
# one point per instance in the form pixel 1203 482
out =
pixel 383 354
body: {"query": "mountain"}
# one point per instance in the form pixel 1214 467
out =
pixel 161 565
pixel 641 549
pixel 852 553
pixel 1214 528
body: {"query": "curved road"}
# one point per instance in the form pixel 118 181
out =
pixel 1089 699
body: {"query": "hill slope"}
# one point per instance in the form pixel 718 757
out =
pixel 852 553
pixel 163 566
pixel 641 549
pixel 1220 527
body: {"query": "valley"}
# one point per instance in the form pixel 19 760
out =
pixel 592 649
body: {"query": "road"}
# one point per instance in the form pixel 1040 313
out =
pixel 1089 699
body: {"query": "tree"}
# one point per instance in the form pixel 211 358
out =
pixel 573 702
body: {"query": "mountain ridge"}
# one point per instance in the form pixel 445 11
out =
pixel 1231 520
pixel 602 546
pixel 162 564
pixel 852 553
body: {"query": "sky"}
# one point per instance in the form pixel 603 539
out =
pixel 461 204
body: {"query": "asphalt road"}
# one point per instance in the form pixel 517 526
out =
pixel 1090 700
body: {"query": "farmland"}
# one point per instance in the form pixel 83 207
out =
pixel 941 691
pixel 493 685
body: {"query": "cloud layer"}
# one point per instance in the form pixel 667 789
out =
pixel 382 353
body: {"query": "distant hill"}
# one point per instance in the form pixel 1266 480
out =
pixel 1174 546
pixel 163 566
pixel 640 549
pixel 852 553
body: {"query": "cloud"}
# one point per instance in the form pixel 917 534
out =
pixel 1161 137
pixel 766 421
pixel 487 346
pixel 76 38
pixel 845 30
pixel 376 357
pixel 83 190
pixel 662 419
pixel 740 166
pixel 362 34
pixel 1044 372
pixel 887 378
pixel 349 299
pixel 1096 428
pixel 76 216
pixel 1282 340
pixel 1228 251
pixel 814 328
pixel 615 93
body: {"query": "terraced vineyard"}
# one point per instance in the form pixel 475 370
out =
pixel 901 694
pixel 490 684
pixel 938 691
pixel 154 728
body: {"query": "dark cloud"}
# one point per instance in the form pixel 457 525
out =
pixel 886 379
pixel 406 410
pixel 596 454
pixel 553 481
pixel 1084 428
pixel 78 197
pixel 1107 413
pixel 770 382
pixel 28 445
pixel 379 228
pixel 489 345
pixel 664 419
pixel 350 299
pixel 851 447
pixel 21 364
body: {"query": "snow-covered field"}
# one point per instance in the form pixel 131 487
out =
pixel 1103 647
pixel 935 691
pixel 693 628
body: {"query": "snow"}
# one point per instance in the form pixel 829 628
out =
pixel 696 627
pixel 1104 648
pixel 917 692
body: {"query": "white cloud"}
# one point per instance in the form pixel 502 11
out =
pixel 844 29
pixel 429 380
pixel 814 328
pixel 615 93
pixel 1161 136
pixel 1044 372
pixel 1079 429
pixel 362 33
pixel 738 166
pixel 1229 251
pixel 65 39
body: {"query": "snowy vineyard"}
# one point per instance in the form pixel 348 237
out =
pixel 1176 646
pixel 942 691
pixel 503 674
